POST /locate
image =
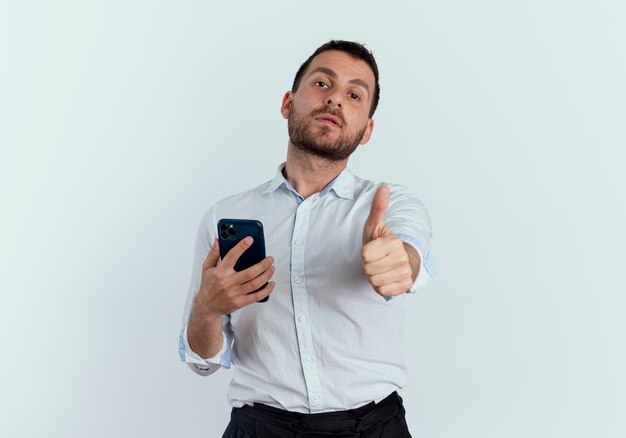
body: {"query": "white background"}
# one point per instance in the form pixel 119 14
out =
pixel 121 122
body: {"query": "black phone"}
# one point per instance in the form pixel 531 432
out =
pixel 231 231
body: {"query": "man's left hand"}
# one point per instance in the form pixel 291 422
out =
pixel 386 259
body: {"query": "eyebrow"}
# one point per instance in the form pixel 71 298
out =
pixel 333 75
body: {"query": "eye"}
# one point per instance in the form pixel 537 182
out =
pixel 320 84
pixel 354 96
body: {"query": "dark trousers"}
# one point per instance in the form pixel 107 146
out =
pixel 385 419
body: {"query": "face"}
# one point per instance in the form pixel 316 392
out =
pixel 328 116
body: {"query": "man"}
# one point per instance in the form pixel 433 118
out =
pixel 324 356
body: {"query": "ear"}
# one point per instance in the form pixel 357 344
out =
pixel 286 105
pixel 368 132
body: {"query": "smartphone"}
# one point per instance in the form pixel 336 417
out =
pixel 231 231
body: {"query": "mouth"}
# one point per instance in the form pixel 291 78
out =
pixel 329 120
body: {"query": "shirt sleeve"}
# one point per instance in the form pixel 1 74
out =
pixel 408 219
pixel 203 366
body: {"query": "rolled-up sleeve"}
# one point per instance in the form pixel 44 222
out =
pixel 203 366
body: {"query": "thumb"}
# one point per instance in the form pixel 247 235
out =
pixel 375 223
pixel 213 257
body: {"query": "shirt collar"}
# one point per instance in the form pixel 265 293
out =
pixel 342 185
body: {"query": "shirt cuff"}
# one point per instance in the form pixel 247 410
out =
pixel 203 366
pixel 428 265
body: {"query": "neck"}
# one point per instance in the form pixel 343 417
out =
pixel 309 174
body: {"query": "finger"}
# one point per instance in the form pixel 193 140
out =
pixel 378 267
pixel 389 277
pixel 233 255
pixel 213 256
pixel 374 226
pixel 379 207
pixel 374 250
pixel 257 296
pixel 253 271
pixel 259 281
pixel 393 289
pixel 392 260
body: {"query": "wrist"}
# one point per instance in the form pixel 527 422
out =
pixel 204 319
pixel 202 309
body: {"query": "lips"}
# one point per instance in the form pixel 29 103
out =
pixel 327 119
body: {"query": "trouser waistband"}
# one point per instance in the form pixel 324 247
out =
pixel 358 419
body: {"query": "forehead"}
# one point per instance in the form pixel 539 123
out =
pixel 344 65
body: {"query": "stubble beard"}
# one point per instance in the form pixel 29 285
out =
pixel 312 139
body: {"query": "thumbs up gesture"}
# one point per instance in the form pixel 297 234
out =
pixel 385 258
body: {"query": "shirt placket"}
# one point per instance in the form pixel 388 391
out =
pixel 301 304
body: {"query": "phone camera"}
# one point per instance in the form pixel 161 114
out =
pixel 228 231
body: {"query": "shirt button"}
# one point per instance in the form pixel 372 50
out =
pixel 298 279
pixel 297 242
pixel 308 359
pixel 301 319
pixel 316 397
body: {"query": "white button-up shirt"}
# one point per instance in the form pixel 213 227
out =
pixel 325 340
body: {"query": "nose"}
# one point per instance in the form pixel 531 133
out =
pixel 333 99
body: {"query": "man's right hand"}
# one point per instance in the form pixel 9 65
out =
pixel 222 291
